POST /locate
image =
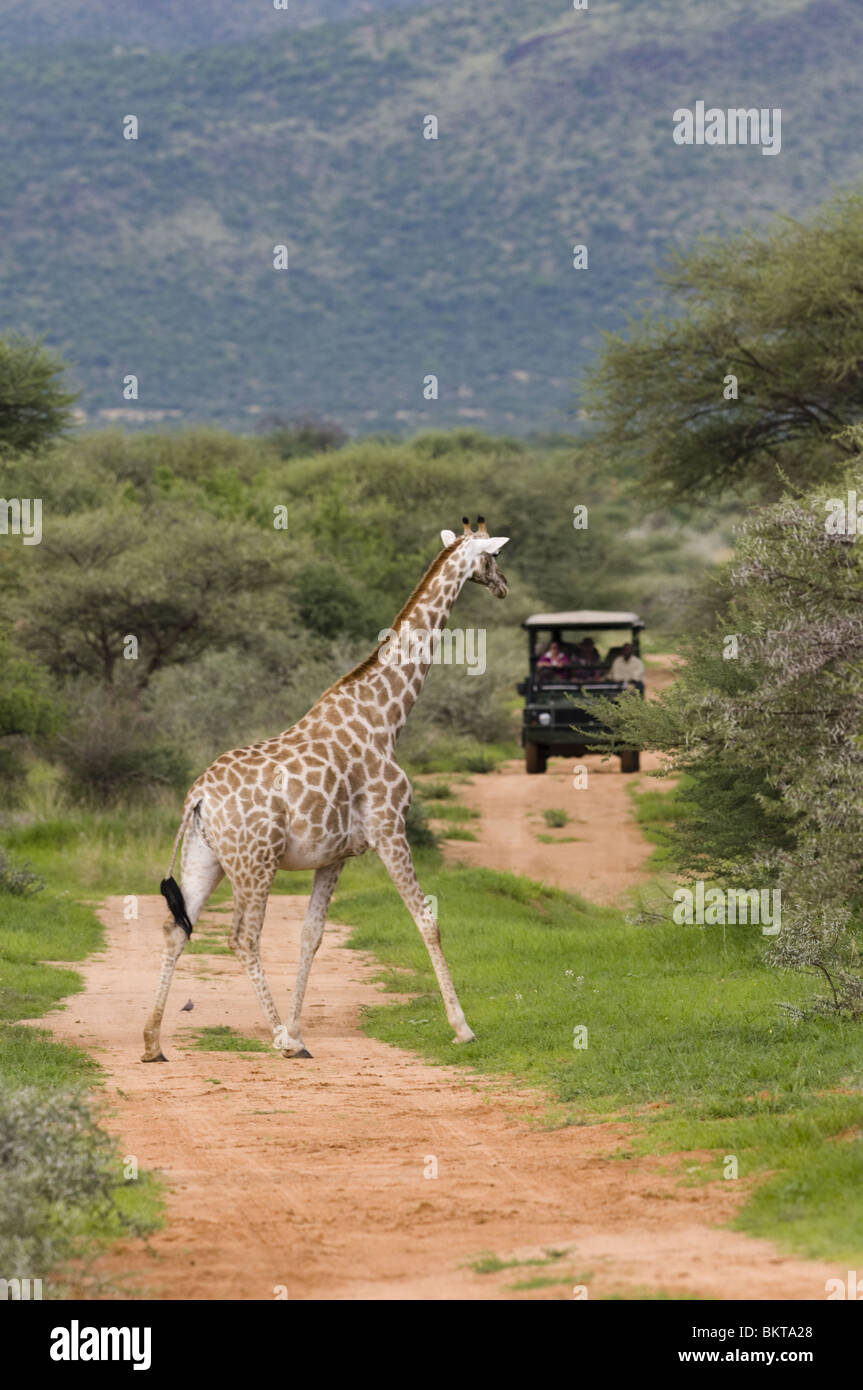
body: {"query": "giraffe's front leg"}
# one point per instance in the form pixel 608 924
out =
pixel 395 854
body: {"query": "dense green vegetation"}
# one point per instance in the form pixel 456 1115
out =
pixel 764 719
pixel 406 256
pixel 167 614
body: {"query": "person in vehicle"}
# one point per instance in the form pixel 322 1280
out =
pixel 586 659
pixel 554 656
pixel 627 667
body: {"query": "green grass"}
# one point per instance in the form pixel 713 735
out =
pixel 492 1264
pixel 30 1057
pixel 452 813
pixel 678 1015
pixel 209 940
pixel 221 1038
pixel 654 811
pixel 35 929
pixel 434 791
pixel 137 1210
pixel 461 755
pixel 555 819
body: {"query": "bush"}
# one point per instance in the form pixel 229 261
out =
pixel 419 832
pixel 111 749
pixel 54 1163
pixel 302 435
pixel 18 879
pixel 764 719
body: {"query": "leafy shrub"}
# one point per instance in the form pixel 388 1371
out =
pixel 110 750
pixel 299 436
pixel 825 946
pixel 768 734
pixel 55 1162
pixel 18 879
pixel 419 832
pixel 436 791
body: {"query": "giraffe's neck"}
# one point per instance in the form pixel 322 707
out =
pixel 383 688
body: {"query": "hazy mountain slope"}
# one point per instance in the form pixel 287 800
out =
pixel 407 256
pixel 171 23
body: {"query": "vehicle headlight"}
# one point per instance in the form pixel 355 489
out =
pixel 544 717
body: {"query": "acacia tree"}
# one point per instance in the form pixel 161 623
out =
pixel 766 721
pixel 33 402
pixel 781 314
pixel 179 584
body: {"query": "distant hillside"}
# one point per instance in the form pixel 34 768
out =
pixel 407 256
pixel 170 23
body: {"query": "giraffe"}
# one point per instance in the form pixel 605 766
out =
pixel 325 790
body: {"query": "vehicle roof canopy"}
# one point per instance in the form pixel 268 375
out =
pixel 583 617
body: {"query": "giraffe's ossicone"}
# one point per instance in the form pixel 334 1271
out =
pixel 316 795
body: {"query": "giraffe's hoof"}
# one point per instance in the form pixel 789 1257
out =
pixel 160 1057
pixel 301 1052
pixel 468 1038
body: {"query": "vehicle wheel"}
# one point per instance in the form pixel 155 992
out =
pixel 535 757
pixel 630 760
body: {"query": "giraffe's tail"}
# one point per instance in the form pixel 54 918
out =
pixel 169 887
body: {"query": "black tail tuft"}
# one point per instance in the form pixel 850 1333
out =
pixel 173 895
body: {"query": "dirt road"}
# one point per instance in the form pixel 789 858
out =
pixel 599 853
pixel 309 1177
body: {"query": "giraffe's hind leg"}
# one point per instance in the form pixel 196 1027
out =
pixel 201 873
pixel 250 905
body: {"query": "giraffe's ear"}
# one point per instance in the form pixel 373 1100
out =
pixel 447 537
pixel 494 543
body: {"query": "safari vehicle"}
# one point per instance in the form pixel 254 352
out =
pixel 552 725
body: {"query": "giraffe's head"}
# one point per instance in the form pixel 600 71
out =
pixel 481 551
